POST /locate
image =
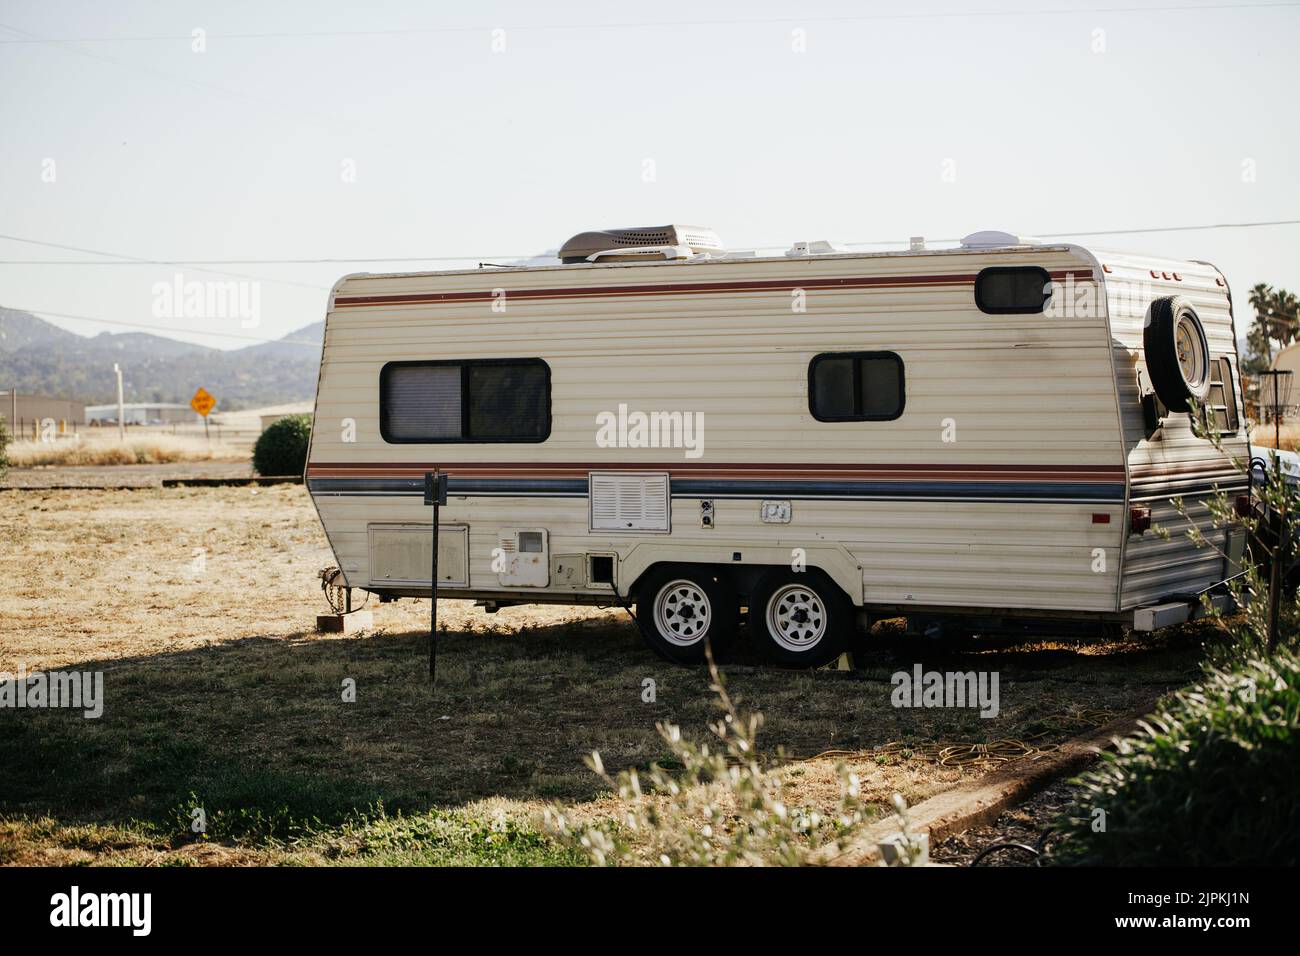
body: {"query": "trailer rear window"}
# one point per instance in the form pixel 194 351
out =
pixel 855 387
pixel 1012 290
pixel 476 400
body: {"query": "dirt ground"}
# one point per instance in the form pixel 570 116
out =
pixel 118 476
pixel 1021 836
pixel 198 606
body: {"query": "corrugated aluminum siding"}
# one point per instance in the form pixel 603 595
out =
pixel 1023 391
pixel 1175 461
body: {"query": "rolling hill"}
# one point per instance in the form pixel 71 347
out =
pixel 41 358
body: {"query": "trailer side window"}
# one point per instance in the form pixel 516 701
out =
pixel 476 400
pixel 1012 290
pixel 855 386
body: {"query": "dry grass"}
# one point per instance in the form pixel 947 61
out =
pixel 1265 436
pixel 217 686
pixel 105 449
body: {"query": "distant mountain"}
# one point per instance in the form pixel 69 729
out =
pixel 41 358
pixel 137 342
pixel 21 329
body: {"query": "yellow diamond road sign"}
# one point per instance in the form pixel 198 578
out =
pixel 203 402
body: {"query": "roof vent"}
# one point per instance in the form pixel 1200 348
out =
pixel 992 239
pixel 817 247
pixel 620 245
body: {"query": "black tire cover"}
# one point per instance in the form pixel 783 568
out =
pixel 1161 351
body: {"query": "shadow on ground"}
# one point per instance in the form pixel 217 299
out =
pixel 257 732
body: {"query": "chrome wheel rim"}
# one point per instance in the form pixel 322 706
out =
pixel 1189 346
pixel 797 617
pixel 682 612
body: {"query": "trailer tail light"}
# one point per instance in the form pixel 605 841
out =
pixel 1241 505
pixel 1100 518
pixel 1139 520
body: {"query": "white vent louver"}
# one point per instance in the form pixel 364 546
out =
pixel 629 501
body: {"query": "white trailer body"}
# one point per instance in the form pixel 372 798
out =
pixel 907 430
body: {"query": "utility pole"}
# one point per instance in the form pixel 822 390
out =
pixel 121 408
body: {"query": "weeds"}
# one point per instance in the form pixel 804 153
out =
pixel 136 450
pixel 723 808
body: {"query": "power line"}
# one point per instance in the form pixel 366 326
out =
pixel 162 328
pixel 129 260
pixel 1220 225
pixel 254 338
pixel 498 257
pixel 657 24
pixel 237 262
pixel 1107 232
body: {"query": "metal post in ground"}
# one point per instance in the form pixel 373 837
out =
pixel 435 494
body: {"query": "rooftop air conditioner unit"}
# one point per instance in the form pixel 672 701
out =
pixel 622 245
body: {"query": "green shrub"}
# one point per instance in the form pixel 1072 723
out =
pixel 4 447
pixel 1212 781
pixel 282 448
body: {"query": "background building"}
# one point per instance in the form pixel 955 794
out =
pixel 24 412
pixel 143 413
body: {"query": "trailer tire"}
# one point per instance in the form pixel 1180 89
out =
pixel 682 609
pixel 800 619
pixel 1177 353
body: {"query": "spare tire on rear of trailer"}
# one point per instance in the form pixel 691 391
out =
pixel 1178 355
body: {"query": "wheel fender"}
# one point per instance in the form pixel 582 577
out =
pixel 834 561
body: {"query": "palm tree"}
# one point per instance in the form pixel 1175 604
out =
pixel 1261 297
pixel 1286 316
pixel 1277 316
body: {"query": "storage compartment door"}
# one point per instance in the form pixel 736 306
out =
pixel 400 554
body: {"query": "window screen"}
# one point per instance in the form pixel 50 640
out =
pixel 421 402
pixel 855 386
pixel 486 400
pixel 1003 290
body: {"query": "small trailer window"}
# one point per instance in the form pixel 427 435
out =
pixel 476 400
pixel 855 386
pixel 1012 290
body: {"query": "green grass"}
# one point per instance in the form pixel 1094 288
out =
pixel 375 838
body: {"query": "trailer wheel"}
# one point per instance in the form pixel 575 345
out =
pixel 1178 357
pixel 800 619
pixel 681 609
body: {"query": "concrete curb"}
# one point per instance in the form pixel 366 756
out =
pixel 982 801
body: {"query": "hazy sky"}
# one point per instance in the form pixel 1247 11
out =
pixel 413 130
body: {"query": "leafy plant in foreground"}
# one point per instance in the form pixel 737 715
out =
pixel 721 808
pixel 1211 780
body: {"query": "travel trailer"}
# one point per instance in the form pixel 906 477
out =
pixel 994 432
